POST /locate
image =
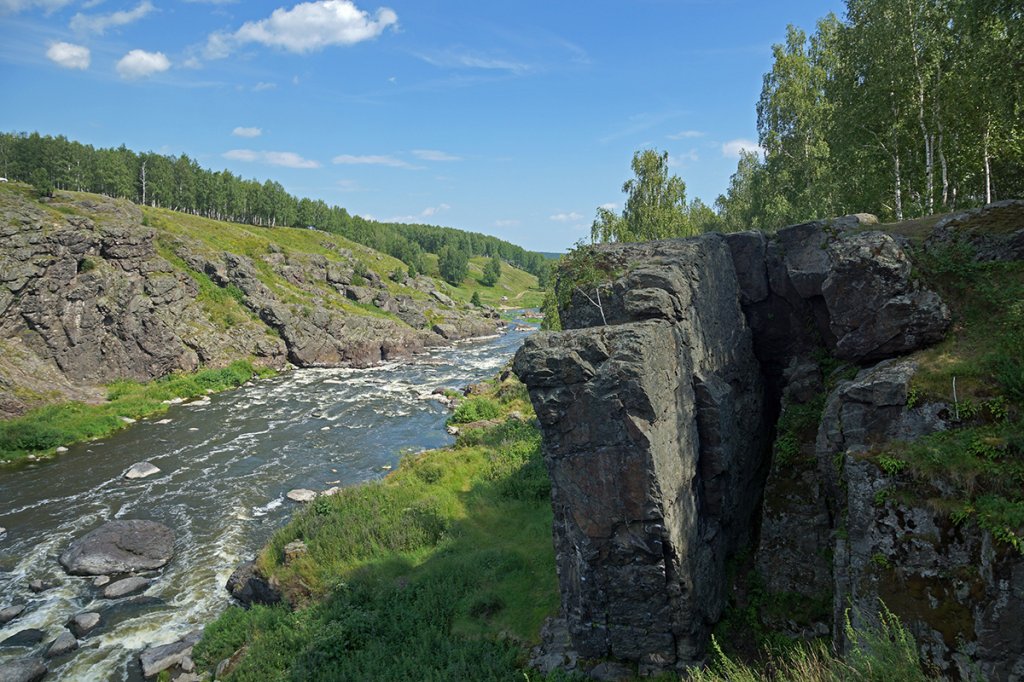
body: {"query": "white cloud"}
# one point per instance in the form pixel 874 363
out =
pixel 465 60
pixel 425 213
pixel 247 132
pixel 48 6
pixel 681 159
pixel 263 86
pixel 434 155
pixel 349 186
pixel 373 160
pixel 306 27
pixel 99 23
pixel 732 148
pixel 686 134
pixel 139 64
pixel 69 56
pixel 506 223
pixel 570 217
pixel 286 159
pixel 610 206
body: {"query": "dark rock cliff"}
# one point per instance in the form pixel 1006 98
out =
pixel 656 407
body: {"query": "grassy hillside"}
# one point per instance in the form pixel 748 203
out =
pixel 518 287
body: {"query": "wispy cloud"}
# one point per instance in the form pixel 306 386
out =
pixel 241 131
pixel 456 59
pixel 428 212
pixel 732 148
pixel 69 56
pixel 569 217
pixel 139 64
pixel 687 135
pixel 434 155
pixel 99 23
pixel 373 160
pixel 286 159
pixel 263 86
pixel 638 123
pixel 15 6
pixel 306 27
pixel 610 206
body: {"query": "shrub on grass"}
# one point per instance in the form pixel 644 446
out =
pixel 475 409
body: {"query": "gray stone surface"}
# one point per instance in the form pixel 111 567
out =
pixel 24 638
pixel 654 443
pixel 9 613
pixel 249 586
pixel 64 644
pixel 156 659
pixel 22 670
pixel 125 587
pixel 120 546
pixel 84 623
pixel 141 470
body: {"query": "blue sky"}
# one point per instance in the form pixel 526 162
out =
pixel 516 119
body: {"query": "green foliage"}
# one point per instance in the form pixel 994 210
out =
pixel 41 183
pixel 475 409
pixel 475 299
pixel 551 321
pixel 879 653
pixel 797 426
pixel 655 205
pixel 492 272
pixel 45 428
pixel 450 557
pixel 453 264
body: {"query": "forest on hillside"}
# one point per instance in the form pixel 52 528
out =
pixel 181 184
pixel 902 108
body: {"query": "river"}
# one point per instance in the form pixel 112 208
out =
pixel 226 464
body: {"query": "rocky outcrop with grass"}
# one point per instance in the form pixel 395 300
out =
pixel 674 511
pixel 94 289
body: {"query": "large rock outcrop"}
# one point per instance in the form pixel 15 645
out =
pixel 656 403
pixel 653 436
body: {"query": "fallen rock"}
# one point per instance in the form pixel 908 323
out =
pixel 37 586
pixel 27 637
pixel 24 670
pixel 84 623
pixel 125 587
pixel 301 495
pixel 61 450
pixel 9 613
pixel 127 420
pixel 294 550
pixel 64 644
pixel 3 531
pixel 141 470
pixel 443 299
pixel 101 580
pixel 156 659
pixel 249 586
pixel 120 547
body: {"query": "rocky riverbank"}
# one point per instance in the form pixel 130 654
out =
pixel 89 293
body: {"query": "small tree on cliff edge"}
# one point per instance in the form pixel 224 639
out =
pixel 492 271
pixel 655 205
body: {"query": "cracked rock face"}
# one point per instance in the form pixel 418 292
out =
pixel 653 438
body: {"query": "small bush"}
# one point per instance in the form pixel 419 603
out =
pixel 475 409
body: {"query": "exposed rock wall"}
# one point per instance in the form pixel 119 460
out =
pixel 87 296
pixel 653 437
pixel 654 407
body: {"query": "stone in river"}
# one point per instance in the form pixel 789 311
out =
pixel 10 613
pixel 84 623
pixel 156 659
pixel 122 588
pixel 65 643
pixel 120 546
pixel 61 450
pixel 28 637
pixel 101 580
pixel 301 495
pixel 141 470
pixel 3 531
pixel 24 670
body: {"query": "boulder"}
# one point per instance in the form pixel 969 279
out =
pixel 141 470
pixel 84 623
pixel 875 309
pixel 249 586
pixel 36 586
pixel 9 613
pixel 120 546
pixel 156 659
pixel 24 638
pixel 446 331
pixel 443 299
pixel 125 587
pixel 23 670
pixel 64 644
pixel 301 495
pixel 294 550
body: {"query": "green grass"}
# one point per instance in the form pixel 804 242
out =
pixel 42 430
pixel 443 570
pixel 518 286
